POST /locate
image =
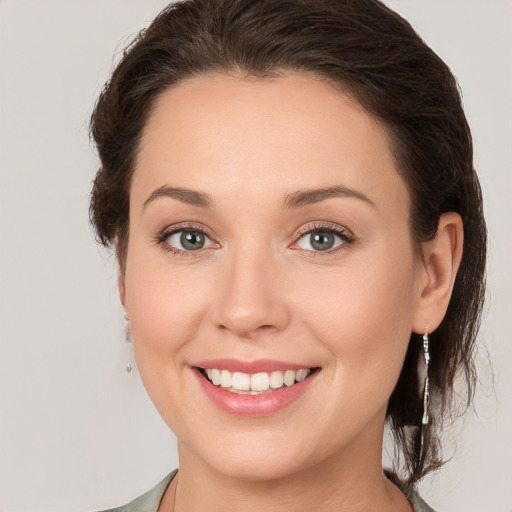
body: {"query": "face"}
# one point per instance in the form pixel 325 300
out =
pixel 269 233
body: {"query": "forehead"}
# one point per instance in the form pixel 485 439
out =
pixel 230 135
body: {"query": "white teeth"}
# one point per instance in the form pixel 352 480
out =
pixel 256 383
pixel 300 375
pixel 276 380
pixel 289 378
pixel 260 382
pixel 226 379
pixel 216 376
pixel 241 381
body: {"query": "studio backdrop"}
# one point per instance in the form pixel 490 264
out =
pixel 78 433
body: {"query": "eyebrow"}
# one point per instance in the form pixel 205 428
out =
pixel 184 195
pixel 293 200
pixel 316 195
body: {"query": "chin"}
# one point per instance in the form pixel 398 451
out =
pixel 257 468
pixel 253 456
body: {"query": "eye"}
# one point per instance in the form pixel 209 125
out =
pixel 187 240
pixel 323 239
pixel 319 241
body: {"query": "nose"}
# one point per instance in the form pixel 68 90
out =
pixel 251 297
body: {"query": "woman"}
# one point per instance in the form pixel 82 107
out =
pixel 290 191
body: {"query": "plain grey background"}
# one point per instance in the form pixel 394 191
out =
pixel 76 432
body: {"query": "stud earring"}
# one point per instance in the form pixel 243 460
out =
pixel 128 341
pixel 426 394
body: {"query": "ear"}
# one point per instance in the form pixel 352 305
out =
pixel 436 276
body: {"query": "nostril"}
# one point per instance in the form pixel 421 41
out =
pixel 247 328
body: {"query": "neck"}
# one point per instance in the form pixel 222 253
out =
pixel 351 479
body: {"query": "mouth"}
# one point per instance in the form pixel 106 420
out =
pixel 255 383
pixel 258 388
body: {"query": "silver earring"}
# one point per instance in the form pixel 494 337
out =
pixel 426 394
pixel 128 341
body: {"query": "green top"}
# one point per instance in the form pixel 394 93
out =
pixel 150 500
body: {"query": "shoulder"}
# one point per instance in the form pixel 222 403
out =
pixel 149 501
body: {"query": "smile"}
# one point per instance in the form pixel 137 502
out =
pixel 257 388
pixel 256 383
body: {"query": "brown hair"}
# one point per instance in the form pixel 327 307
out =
pixel 374 55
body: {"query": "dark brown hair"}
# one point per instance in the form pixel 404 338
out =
pixel 372 54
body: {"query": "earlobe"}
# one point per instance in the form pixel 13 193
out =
pixel 442 257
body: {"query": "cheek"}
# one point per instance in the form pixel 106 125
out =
pixel 165 307
pixel 164 303
pixel 362 316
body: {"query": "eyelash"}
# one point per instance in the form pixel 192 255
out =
pixel 346 236
pixel 162 238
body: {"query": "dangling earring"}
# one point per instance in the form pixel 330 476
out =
pixel 426 395
pixel 128 341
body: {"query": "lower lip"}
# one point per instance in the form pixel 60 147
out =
pixel 253 405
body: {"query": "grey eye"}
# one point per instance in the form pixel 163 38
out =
pixel 188 240
pixel 192 240
pixel 320 240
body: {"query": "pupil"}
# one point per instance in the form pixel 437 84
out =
pixel 322 240
pixel 192 240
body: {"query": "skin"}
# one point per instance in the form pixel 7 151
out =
pixel 259 290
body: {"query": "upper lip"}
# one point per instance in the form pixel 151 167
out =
pixel 251 367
